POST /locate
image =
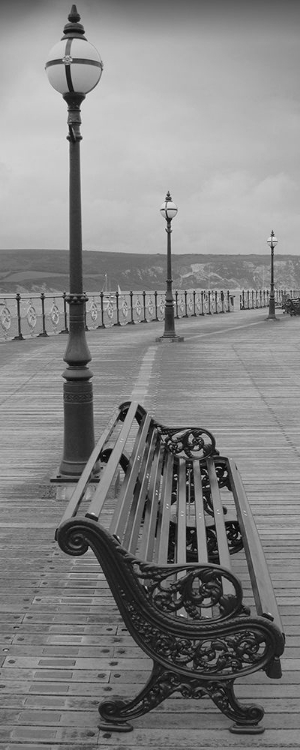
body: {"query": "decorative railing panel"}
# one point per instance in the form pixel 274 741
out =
pixel 251 299
pixel 24 316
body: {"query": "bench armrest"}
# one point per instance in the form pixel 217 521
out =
pixel 191 590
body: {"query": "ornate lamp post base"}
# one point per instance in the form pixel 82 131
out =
pixel 172 339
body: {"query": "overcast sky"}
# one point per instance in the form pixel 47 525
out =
pixel 199 98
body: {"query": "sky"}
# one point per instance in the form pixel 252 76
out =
pixel 201 98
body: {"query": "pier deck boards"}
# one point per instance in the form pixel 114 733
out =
pixel 63 646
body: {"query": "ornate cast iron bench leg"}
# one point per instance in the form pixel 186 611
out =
pixel 246 717
pixel 115 713
pixel 162 683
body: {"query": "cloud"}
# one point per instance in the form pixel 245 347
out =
pixel 201 99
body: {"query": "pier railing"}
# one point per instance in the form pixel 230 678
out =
pixel 30 315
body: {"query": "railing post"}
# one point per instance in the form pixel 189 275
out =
pixel 44 332
pixel 144 307
pixel 18 300
pixel 65 329
pixel 131 322
pixel 209 302
pixel 102 324
pixel 85 323
pixel 222 300
pixel 185 304
pixel 216 302
pixel 176 305
pixel 202 302
pixel 117 309
pixel 155 306
pixel 194 303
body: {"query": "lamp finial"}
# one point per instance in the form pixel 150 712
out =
pixel 74 16
pixel 73 27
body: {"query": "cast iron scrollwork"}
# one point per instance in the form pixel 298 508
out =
pixel 234 538
pixel 191 442
pixel 194 592
pixel 226 651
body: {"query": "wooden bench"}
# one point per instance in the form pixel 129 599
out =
pixel 292 305
pixel 170 549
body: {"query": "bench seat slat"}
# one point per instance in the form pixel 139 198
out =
pixel 260 579
pixel 161 551
pixel 224 555
pixel 182 508
pixel 199 515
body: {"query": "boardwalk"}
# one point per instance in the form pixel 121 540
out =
pixel 63 645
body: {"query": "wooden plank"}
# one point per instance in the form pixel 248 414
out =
pixel 199 514
pixel 261 582
pixel 110 468
pixel 182 506
pixel 126 496
pixel 163 525
pixel 148 534
pixel 219 519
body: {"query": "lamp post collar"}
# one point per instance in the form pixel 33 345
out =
pixel 74 28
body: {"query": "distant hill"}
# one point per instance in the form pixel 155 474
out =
pixel 47 270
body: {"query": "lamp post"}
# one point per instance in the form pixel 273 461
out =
pixel 272 242
pixel 169 210
pixel 74 68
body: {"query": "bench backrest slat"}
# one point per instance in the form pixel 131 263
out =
pixel 134 524
pixel 80 488
pixel 126 494
pixel 261 582
pixel 148 533
pixel 110 468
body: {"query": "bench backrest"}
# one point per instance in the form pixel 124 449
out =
pixel 169 505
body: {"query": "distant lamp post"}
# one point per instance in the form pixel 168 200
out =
pixel 74 68
pixel 272 242
pixel 169 210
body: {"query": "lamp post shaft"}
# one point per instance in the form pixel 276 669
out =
pixel 272 295
pixel 74 67
pixel 78 391
pixel 169 303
